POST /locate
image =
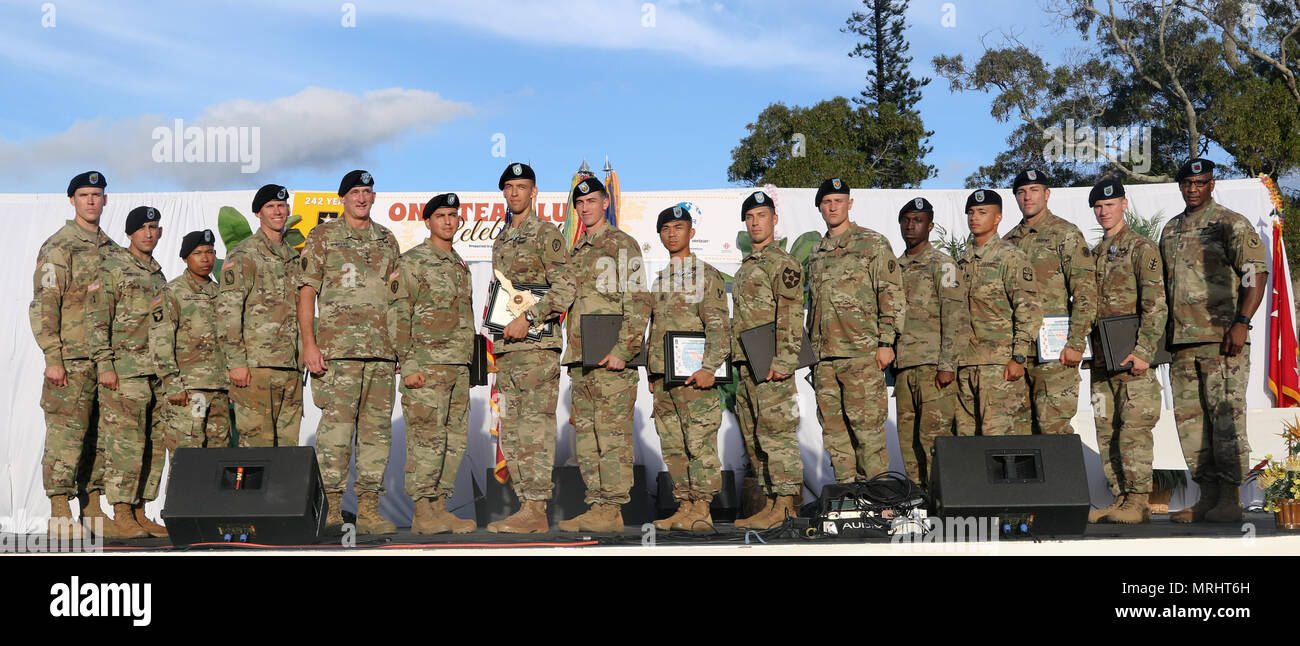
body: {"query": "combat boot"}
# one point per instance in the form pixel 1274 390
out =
pixel 424 521
pixel 1196 513
pixel 123 524
pixel 334 517
pixel 608 520
pixel 700 520
pixel 368 519
pixel 685 510
pixel 1100 515
pixel 748 522
pixel 1134 511
pixel 1228 509
pixel 782 508
pixel 456 525
pixel 576 523
pixel 61 525
pixel 155 530
pixel 92 510
pixel 530 519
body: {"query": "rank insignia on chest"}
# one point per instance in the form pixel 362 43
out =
pixel 1027 274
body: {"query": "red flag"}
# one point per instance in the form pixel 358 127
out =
pixel 1283 378
pixel 499 470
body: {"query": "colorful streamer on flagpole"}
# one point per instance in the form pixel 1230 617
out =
pixel 572 223
pixel 615 196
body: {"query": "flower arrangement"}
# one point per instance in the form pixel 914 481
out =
pixel 1279 479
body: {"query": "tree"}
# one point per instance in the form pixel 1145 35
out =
pixel 888 78
pixel 798 146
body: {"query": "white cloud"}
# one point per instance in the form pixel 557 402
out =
pixel 312 129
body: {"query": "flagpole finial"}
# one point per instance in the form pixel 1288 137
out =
pixel 584 168
pixel 607 168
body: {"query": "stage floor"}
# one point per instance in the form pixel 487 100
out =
pixel 1256 536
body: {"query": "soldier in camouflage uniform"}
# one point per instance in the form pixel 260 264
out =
pixel 769 288
pixel 532 252
pixel 1214 280
pixel 352 263
pixel 1126 404
pixel 1001 297
pixel 183 338
pixel 689 295
pixel 435 345
pixel 609 278
pixel 130 394
pixel 67 266
pixel 929 341
pixel 1067 285
pixel 257 311
pixel 856 310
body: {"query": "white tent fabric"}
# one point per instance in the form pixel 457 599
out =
pixel 31 218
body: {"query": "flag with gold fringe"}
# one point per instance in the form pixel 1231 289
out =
pixel 1283 378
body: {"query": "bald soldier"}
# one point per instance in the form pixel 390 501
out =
pixel 532 252
pixel 67 268
pixel 183 338
pixel 1004 319
pixel 1126 403
pixel 929 342
pixel 257 314
pixel 130 427
pixel 857 307
pixel 1066 284
pixel 1214 280
pixel 351 263
pixel 768 288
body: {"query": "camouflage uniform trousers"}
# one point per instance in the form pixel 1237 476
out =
pixel 602 403
pixel 72 460
pixel 268 411
pixel 988 402
pixel 1210 409
pixel 687 420
pixel 131 436
pixel 1051 398
pixel 925 412
pixel 203 422
pixel 852 404
pixel 1125 409
pixel 354 396
pixel 528 383
pixel 437 423
pixel 769 421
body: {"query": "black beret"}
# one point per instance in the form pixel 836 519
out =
pixel 1104 190
pixel 516 171
pixel 586 187
pixel 269 193
pixel 833 185
pixel 918 204
pixel 194 240
pixel 438 202
pixel 91 178
pixel 1030 176
pixel 1192 167
pixel 138 216
pixel 757 198
pixel 354 179
pixel 983 197
pixel 672 214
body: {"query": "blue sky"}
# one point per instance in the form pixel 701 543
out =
pixel 418 93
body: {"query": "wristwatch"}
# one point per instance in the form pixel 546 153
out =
pixel 528 316
pixel 1244 320
pixel 882 344
pixel 1018 358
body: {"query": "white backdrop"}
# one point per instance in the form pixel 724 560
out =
pixel 31 218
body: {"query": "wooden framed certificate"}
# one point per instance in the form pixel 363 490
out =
pixel 684 355
pixel 503 305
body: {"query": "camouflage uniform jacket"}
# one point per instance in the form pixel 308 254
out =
pixel 533 252
pixel 257 307
pixel 67 265
pixel 1003 303
pixel 609 278
pixel 1209 254
pixel 119 314
pixel 936 312
pixel 768 287
pixel 183 336
pixel 690 296
pixel 1062 262
pixel 1130 280
pixel 352 271
pixel 434 316
pixel 857 294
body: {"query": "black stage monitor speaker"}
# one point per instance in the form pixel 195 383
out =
pixel 1035 484
pixel 269 496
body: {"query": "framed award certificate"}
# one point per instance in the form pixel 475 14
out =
pixel 684 356
pixel 503 306
pixel 1053 336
